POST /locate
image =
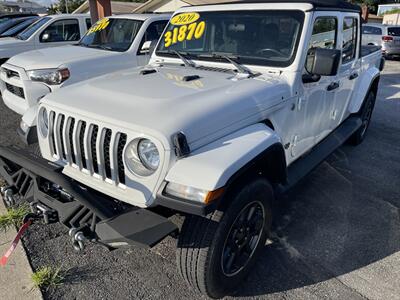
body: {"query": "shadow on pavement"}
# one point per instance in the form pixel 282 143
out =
pixel 343 216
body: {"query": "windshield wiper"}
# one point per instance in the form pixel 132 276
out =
pixel 184 59
pixel 230 58
pixel 96 46
pixel 104 47
pixel 181 56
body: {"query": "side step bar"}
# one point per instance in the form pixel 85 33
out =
pixel 320 152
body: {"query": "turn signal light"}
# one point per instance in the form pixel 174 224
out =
pixel 213 195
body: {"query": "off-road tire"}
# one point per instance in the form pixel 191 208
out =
pixel 365 113
pixel 202 240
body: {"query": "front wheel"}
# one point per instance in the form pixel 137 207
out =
pixel 365 114
pixel 215 253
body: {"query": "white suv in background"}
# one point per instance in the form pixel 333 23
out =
pixel 386 36
pixel 113 43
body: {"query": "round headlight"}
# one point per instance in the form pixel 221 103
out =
pixel 148 154
pixel 44 122
pixel 142 157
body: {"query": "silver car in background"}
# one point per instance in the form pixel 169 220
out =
pixel 386 36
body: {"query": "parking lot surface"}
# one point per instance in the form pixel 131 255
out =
pixel 336 235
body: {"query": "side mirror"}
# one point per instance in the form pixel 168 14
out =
pixel 145 47
pixel 323 62
pixel 45 37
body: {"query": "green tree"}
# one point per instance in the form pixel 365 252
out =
pixel 392 11
pixel 60 6
pixel 371 4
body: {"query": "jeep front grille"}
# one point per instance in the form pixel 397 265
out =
pixel 16 90
pixel 94 149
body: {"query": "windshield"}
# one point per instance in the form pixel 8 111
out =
pixel 8 24
pixel 394 31
pixel 112 34
pixel 266 38
pixel 27 33
pixel 18 28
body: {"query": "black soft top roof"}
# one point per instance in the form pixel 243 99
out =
pixel 317 4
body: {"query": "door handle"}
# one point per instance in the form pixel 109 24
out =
pixel 334 85
pixel 353 76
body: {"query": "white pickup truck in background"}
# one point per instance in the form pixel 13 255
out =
pixel 113 43
pixel 48 31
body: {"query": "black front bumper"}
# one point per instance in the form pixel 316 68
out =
pixel 57 197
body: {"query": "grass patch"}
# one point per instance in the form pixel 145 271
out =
pixel 13 217
pixel 47 277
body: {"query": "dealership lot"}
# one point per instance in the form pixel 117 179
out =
pixel 337 235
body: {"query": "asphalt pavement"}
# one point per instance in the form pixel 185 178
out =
pixel 337 234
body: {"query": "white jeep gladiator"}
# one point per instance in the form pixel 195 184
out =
pixel 113 43
pixel 238 103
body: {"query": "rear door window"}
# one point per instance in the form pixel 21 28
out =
pixel 371 30
pixel 349 39
pixel 153 33
pixel 394 31
pixel 88 23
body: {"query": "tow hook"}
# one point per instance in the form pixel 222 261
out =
pixel 48 214
pixel 78 239
pixel 8 195
pixel 44 211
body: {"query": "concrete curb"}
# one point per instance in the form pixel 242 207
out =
pixel 15 277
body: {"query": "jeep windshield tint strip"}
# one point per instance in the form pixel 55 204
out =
pixel 112 34
pixel 268 37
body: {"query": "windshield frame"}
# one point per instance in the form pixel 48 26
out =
pixel 47 20
pixel 244 60
pixel 140 22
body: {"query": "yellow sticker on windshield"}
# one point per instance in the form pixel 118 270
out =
pixel 185 18
pixel 184 33
pixel 100 25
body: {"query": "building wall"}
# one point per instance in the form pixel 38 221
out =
pixel 22 9
pixel 9 8
pixel 391 19
pixel 375 20
pixel 168 6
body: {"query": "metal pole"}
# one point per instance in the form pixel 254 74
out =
pixel 66 6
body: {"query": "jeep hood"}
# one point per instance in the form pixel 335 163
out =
pixel 169 101
pixel 54 57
